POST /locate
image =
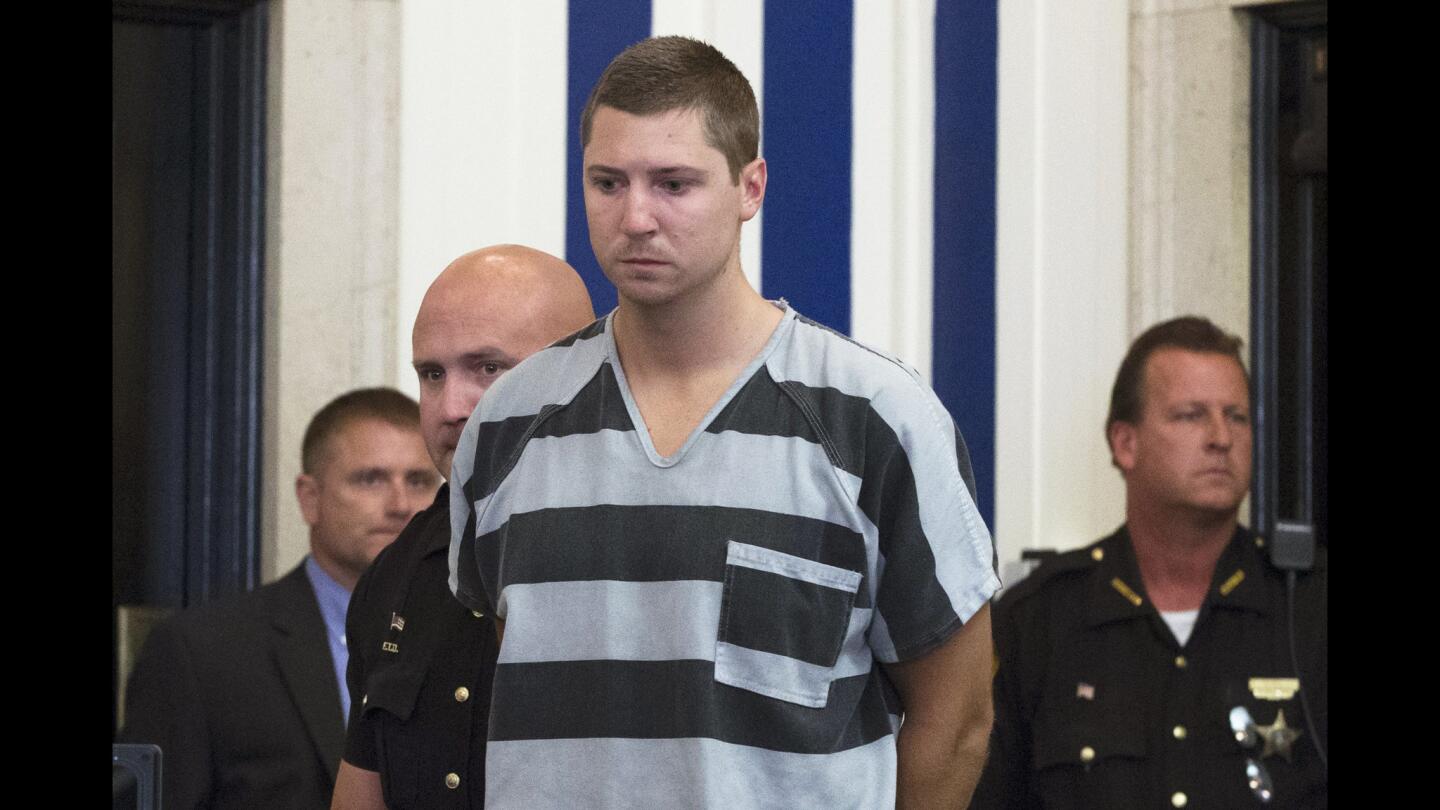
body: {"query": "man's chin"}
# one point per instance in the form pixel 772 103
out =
pixel 372 550
pixel 378 541
pixel 645 294
pixel 443 461
pixel 1219 508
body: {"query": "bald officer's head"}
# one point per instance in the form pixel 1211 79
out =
pixel 490 309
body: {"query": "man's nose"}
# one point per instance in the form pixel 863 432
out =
pixel 456 403
pixel 1221 432
pixel 402 499
pixel 638 219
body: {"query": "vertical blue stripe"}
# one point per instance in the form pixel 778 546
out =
pixel 963 355
pixel 599 31
pixel 805 237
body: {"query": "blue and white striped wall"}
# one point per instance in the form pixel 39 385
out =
pixel 880 130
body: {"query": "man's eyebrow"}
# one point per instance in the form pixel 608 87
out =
pixel 482 354
pixel 664 170
pixel 485 355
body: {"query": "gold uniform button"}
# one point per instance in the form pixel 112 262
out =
pixel 1179 799
pixel 477 614
pixel 462 694
pixel 1180 661
pixel 452 781
pixel 1179 732
pixel 1097 554
pixel 1087 754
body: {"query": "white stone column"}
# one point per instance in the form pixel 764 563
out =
pixel 1189 162
pixel 331 241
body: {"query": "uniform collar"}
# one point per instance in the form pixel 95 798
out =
pixel 1116 592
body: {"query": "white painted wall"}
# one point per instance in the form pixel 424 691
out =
pixel 482 138
pixel 1062 271
pixel 892 179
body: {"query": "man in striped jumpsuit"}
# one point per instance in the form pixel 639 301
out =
pixel 735 556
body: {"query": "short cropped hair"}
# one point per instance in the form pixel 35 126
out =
pixel 661 74
pixel 1189 332
pixel 384 404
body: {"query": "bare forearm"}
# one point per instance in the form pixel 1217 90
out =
pixel 948 715
pixel 939 767
pixel 357 789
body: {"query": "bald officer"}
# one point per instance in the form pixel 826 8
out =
pixel 420 676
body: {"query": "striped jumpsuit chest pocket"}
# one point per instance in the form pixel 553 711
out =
pixel 783 621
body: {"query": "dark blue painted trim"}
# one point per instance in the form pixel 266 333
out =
pixel 598 32
pixel 805 239
pixel 963 338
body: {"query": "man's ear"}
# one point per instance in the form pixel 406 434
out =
pixel 307 491
pixel 1123 445
pixel 752 188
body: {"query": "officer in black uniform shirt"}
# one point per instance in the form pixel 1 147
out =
pixel 1153 668
pixel 420 662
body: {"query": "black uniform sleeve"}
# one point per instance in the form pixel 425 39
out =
pixel 359 619
pixel 1005 780
pixel 163 706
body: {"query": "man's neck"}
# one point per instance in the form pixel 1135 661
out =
pixel 721 327
pixel 336 575
pixel 680 358
pixel 1176 553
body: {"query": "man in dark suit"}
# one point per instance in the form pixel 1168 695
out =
pixel 244 695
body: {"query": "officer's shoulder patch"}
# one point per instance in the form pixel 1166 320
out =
pixel 1054 570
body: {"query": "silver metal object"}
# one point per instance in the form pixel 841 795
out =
pixel 1244 727
pixel 1258 779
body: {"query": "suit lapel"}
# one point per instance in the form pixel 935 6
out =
pixel 302 654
